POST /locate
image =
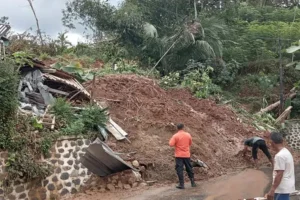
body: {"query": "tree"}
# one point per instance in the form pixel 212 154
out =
pixel 37 22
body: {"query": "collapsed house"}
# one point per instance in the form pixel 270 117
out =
pixel 40 85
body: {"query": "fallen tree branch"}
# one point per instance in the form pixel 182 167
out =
pixel 274 105
pixel 284 115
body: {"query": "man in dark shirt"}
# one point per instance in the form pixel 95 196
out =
pixel 255 143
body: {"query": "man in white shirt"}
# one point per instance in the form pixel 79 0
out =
pixel 283 173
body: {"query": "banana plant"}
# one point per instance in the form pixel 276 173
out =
pixel 292 50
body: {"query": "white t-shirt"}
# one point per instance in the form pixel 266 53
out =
pixel 284 161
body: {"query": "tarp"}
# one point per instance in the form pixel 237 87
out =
pixel 102 161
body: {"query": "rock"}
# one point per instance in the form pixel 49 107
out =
pixel 143 184
pixel 64 192
pixel 69 184
pixel 120 185
pixel 76 181
pixel 77 148
pixel 59 187
pixel 76 167
pixel 58 170
pixel 61 150
pixel 61 162
pixel 74 173
pixel 20 189
pixel 79 142
pixel 73 191
pixel 22 196
pixel 135 164
pixel 77 162
pixel 53 162
pixel 59 144
pixel 67 155
pixel 127 187
pixel 110 187
pixel 70 162
pixel 51 187
pixel 43 193
pixel 55 179
pixel 64 176
pixel 87 142
pixel 11 197
pixel 83 173
pixel 1 191
pixel 116 177
pixel 66 145
pixel 57 155
pixel 73 144
pixel 66 168
pixel 134 185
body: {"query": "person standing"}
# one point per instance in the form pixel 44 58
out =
pixel 257 143
pixel 182 142
pixel 283 172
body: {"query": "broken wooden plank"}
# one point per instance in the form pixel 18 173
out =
pixel 53 123
pixel 58 91
pixel 274 105
pixel 284 115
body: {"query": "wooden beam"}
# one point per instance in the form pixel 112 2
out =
pixel 284 115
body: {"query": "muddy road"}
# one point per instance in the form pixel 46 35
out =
pixel 249 183
pixel 245 184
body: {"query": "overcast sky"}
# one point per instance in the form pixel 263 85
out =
pixel 49 13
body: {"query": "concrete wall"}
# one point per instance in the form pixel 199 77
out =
pixel 68 177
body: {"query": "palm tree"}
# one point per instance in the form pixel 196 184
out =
pixel 195 40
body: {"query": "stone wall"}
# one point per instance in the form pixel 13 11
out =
pixel 293 133
pixel 69 175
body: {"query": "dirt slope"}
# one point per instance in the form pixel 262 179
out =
pixel 147 113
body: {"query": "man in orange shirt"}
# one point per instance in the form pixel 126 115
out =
pixel 182 142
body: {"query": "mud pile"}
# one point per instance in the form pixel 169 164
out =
pixel 148 113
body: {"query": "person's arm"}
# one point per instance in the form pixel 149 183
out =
pixel 279 167
pixel 277 180
pixel 172 141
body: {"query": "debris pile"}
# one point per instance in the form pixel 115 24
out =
pixel 149 113
pixel 39 86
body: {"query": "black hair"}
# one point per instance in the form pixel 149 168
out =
pixel 180 126
pixel 277 137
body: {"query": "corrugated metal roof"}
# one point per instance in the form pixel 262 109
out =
pixel 102 161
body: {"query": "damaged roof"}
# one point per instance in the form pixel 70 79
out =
pixel 103 161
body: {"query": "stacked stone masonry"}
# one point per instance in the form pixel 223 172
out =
pixel 293 134
pixel 69 175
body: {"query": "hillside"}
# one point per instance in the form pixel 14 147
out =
pixel 148 113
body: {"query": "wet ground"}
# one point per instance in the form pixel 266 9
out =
pixel 249 183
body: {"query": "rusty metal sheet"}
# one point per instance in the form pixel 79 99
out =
pixel 103 161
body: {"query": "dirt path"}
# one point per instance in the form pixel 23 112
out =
pixel 246 184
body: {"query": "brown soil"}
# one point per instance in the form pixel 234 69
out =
pixel 148 113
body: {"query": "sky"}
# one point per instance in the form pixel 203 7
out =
pixel 49 13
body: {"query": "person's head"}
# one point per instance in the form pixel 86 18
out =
pixel 180 127
pixel 277 140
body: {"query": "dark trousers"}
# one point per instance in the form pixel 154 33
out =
pixel 260 144
pixel 180 163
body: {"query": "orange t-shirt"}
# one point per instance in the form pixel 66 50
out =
pixel 182 142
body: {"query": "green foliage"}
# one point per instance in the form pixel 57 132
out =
pixel 23 166
pixel 172 80
pixel 22 58
pixel 80 122
pixel 63 110
pixel 92 116
pixel 126 67
pixel 9 80
pixel 199 82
